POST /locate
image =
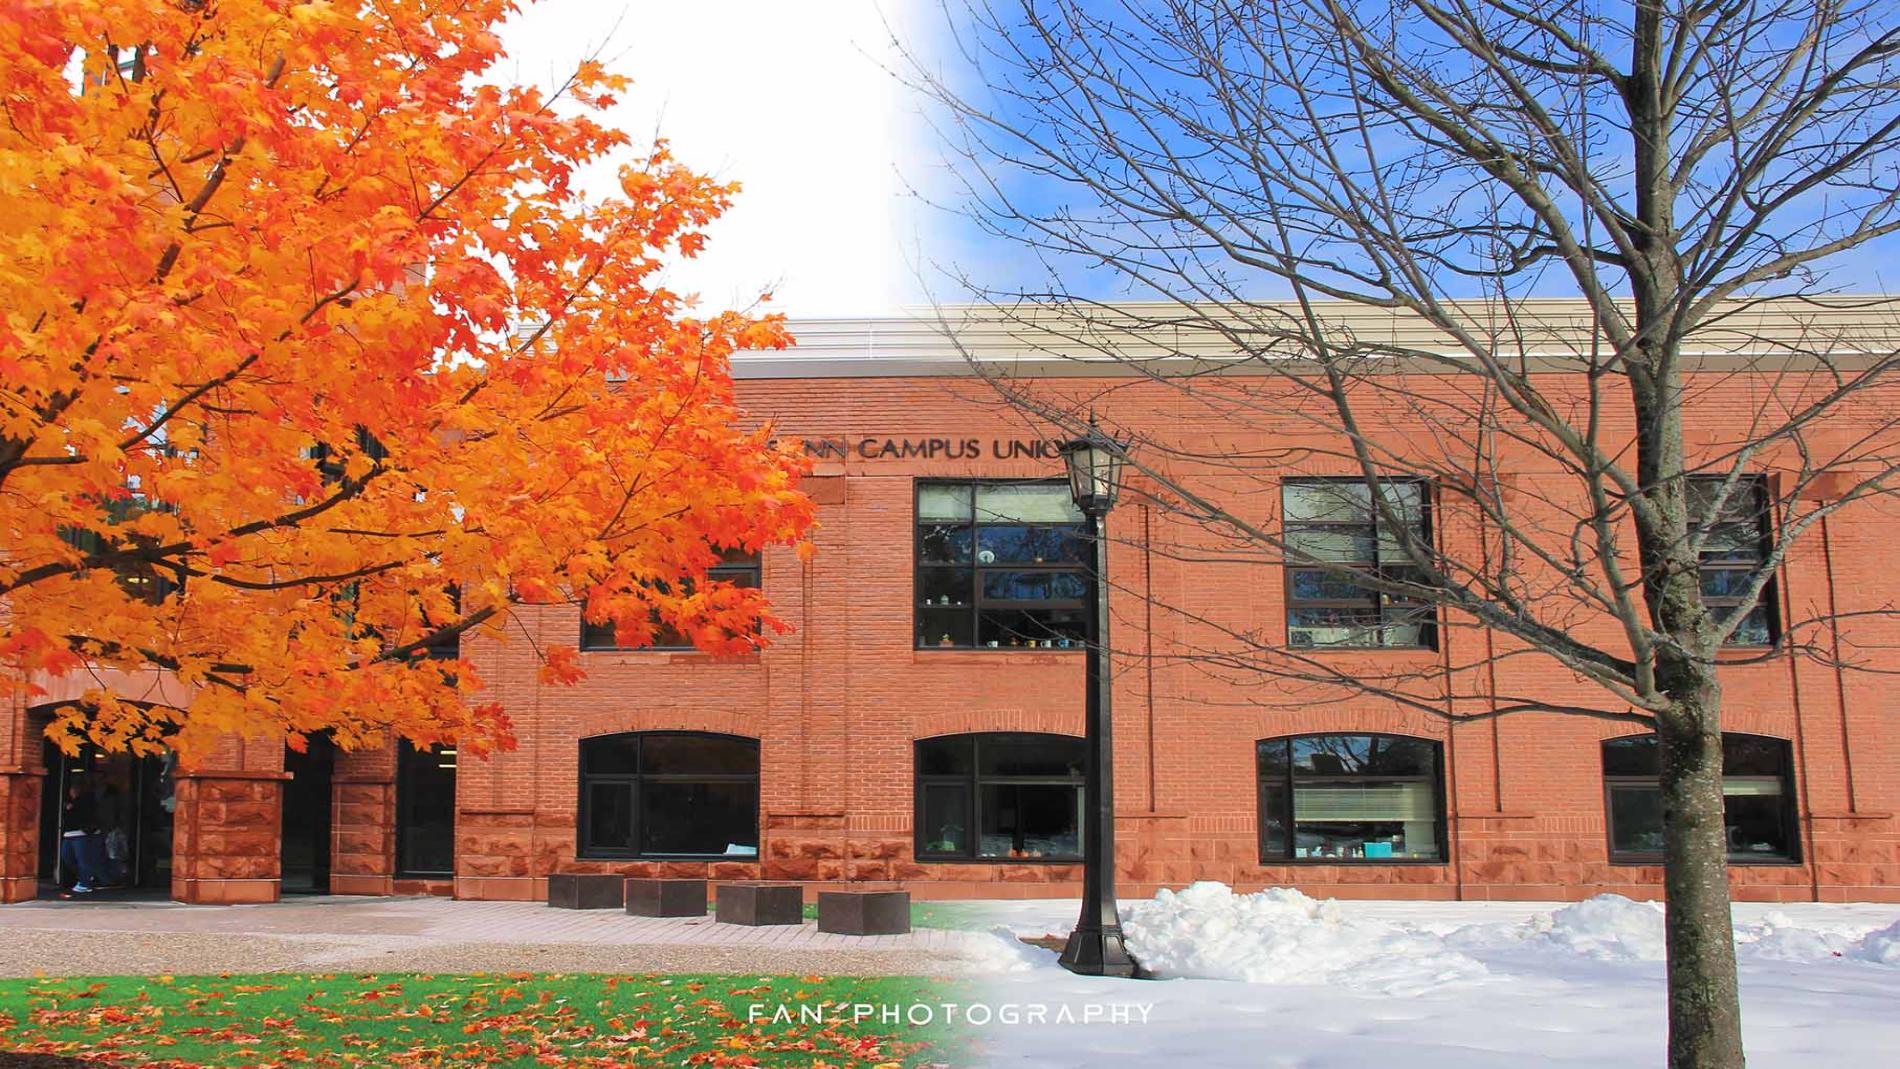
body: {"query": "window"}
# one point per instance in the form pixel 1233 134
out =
pixel 669 794
pixel 1000 565
pixel 425 811
pixel 737 567
pixel 1734 544
pixel 1757 798
pixel 1334 520
pixel 998 797
pixel 151 581
pixel 1350 798
pixel 444 647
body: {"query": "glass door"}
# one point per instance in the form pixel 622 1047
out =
pixel 306 817
pixel 425 811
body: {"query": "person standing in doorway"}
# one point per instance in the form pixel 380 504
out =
pixel 115 844
pixel 78 839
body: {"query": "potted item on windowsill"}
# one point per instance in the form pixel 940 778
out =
pixel 946 640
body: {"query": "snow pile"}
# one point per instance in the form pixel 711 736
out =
pixel 1881 947
pixel 998 951
pixel 1779 938
pixel 1607 928
pixel 1281 936
pixel 1614 928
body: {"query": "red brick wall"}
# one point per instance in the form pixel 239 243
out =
pixel 226 826
pixel 19 835
pixel 838 703
pixel 226 838
pixel 20 786
pixel 363 822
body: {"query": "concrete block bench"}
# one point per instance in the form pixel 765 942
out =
pixel 864 912
pixel 666 898
pixel 574 890
pixel 759 903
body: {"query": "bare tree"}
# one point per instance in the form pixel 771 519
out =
pixel 1334 224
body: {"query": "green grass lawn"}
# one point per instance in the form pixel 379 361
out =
pixel 480 1020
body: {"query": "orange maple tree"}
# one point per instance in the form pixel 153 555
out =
pixel 315 359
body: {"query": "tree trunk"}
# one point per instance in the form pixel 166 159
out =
pixel 1705 1017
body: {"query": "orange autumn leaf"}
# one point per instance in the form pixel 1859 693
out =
pixel 313 358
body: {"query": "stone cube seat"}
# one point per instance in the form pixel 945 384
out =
pixel 579 890
pixel 864 912
pixel 758 903
pixel 665 898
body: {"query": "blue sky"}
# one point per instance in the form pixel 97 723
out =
pixel 797 102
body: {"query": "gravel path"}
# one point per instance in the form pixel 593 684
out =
pixel 29 953
pixel 434 935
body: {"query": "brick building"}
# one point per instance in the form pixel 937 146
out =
pixel 921 723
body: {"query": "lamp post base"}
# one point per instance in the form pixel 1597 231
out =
pixel 1098 951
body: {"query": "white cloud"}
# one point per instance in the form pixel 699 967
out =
pixel 788 98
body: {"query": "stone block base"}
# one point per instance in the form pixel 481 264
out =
pixel 758 904
pixel 342 883
pixel 19 835
pixel 570 890
pixel 224 892
pixel 864 912
pixel 666 898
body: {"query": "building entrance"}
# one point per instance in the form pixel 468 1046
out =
pixel 127 807
pixel 307 809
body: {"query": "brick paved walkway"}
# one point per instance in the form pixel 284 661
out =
pixel 433 934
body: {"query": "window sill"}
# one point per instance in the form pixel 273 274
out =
pixel 1655 861
pixel 1354 862
pixel 671 655
pixel 1361 651
pixel 993 651
pixel 1747 654
pixel 975 659
pixel 938 859
pixel 709 859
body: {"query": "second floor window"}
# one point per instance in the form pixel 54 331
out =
pixel 1334 521
pixel 737 567
pixel 1734 545
pixel 1000 565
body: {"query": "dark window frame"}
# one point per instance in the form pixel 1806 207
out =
pixel 974 782
pixel 744 570
pixel 1376 602
pixel 1769 602
pixel 635 782
pixel 1288 782
pixel 1790 808
pixel 920 638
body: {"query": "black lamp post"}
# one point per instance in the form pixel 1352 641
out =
pixel 1095 947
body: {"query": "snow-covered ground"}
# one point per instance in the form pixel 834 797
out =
pixel 1281 980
